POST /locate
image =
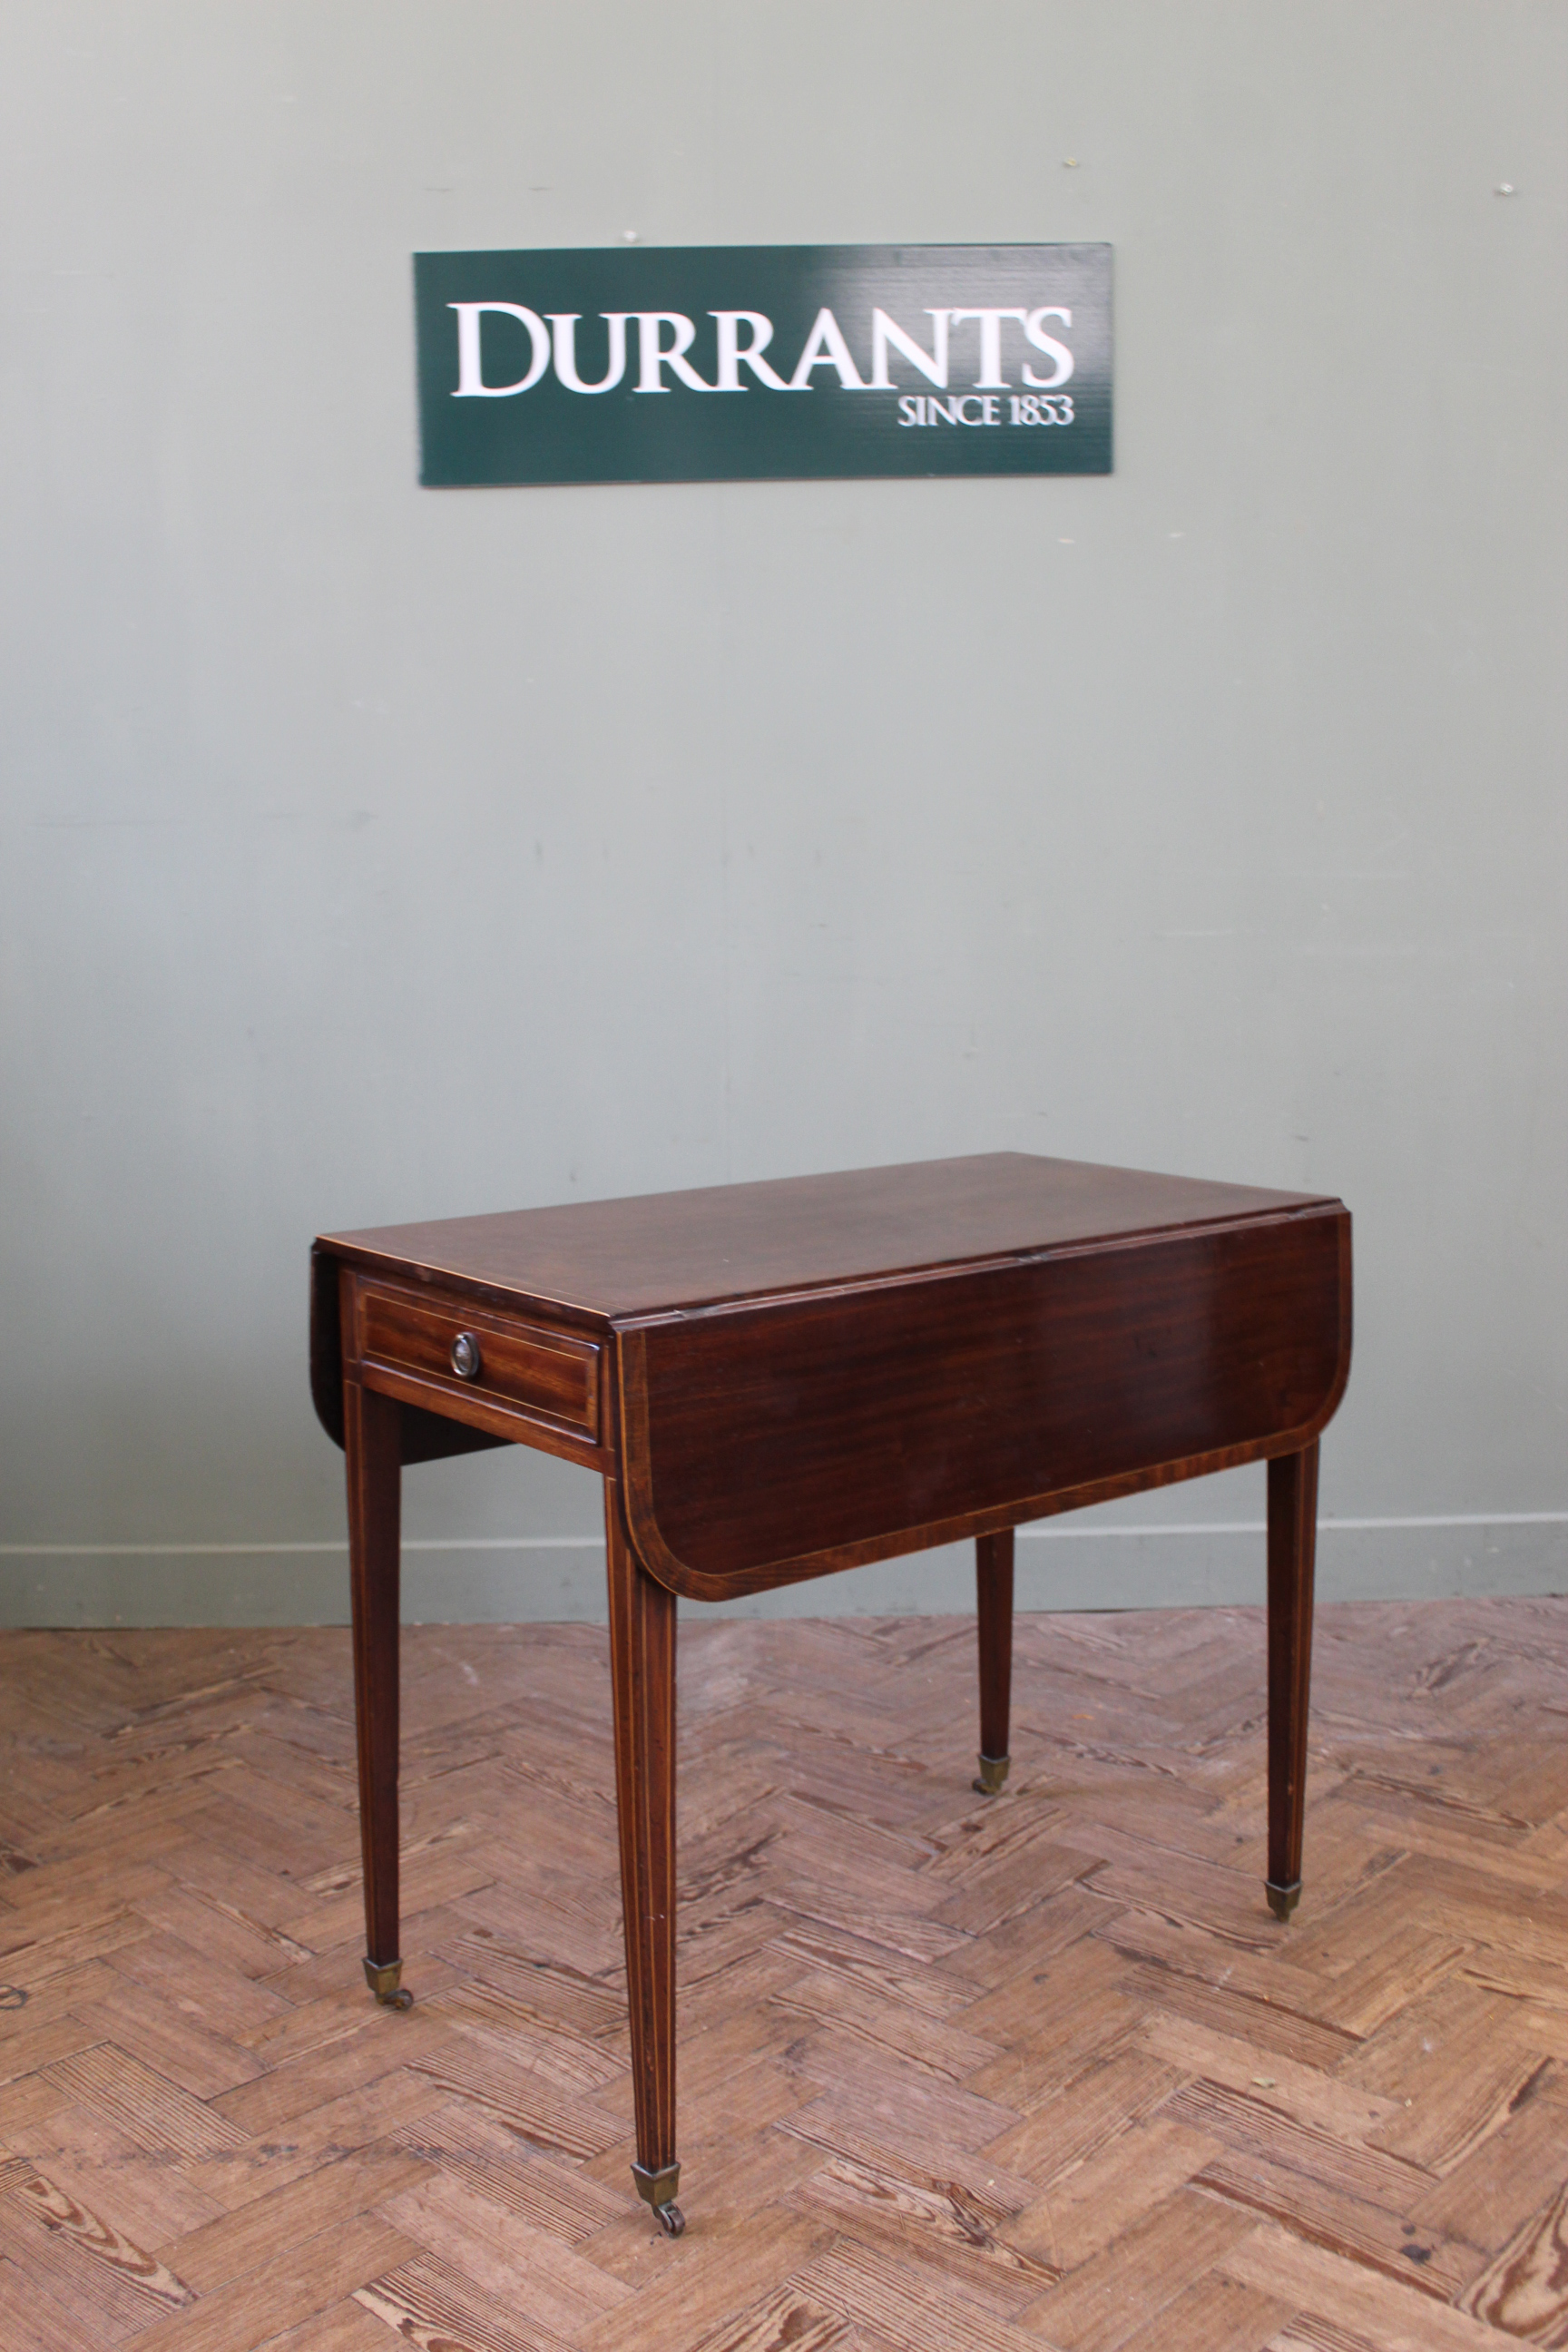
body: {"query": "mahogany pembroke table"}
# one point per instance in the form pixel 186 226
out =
pixel 775 1380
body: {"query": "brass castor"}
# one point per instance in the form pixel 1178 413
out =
pixel 993 1773
pixel 1282 1900
pixel 658 2189
pixel 382 1978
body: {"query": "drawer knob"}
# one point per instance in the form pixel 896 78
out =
pixel 467 1361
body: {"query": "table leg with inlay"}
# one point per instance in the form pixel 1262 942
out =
pixel 994 1627
pixel 642 1677
pixel 374 1451
pixel 1292 1540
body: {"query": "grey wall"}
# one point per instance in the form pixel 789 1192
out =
pixel 372 853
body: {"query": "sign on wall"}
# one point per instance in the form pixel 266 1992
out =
pixel 711 363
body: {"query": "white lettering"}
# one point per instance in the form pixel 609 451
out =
pixel 665 336
pixel 471 384
pixel 734 354
pixel 826 347
pixel 565 325
pixel 655 355
pixel 991 378
pixel 1057 353
pixel 919 408
pixel 885 331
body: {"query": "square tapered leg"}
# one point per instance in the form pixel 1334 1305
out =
pixel 1292 1542
pixel 372 1435
pixel 994 1611
pixel 642 1673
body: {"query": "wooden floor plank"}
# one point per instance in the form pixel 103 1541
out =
pixel 428 2303
pixel 557 2198
pixel 79 2150
pixel 346 2328
pixel 56 2209
pixel 327 2197
pixel 1216 2313
pixel 1525 2289
pixel 908 2212
pixel 906 2304
pixel 1099 2199
pixel 300 2279
pixel 1125 2286
pixel 109 2304
pixel 956 2076
pixel 785 2318
pixel 31 2318
pixel 1338 2290
pixel 532 2275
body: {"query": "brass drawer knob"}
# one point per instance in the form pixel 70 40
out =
pixel 467 1361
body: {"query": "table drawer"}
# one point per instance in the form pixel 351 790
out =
pixel 463 1352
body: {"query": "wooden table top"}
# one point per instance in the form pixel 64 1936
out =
pixel 664 1252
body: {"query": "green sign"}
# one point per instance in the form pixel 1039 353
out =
pixel 735 362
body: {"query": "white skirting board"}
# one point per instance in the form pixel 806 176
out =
pixel 503 1581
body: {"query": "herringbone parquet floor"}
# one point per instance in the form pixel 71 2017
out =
pixel 1037 2071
